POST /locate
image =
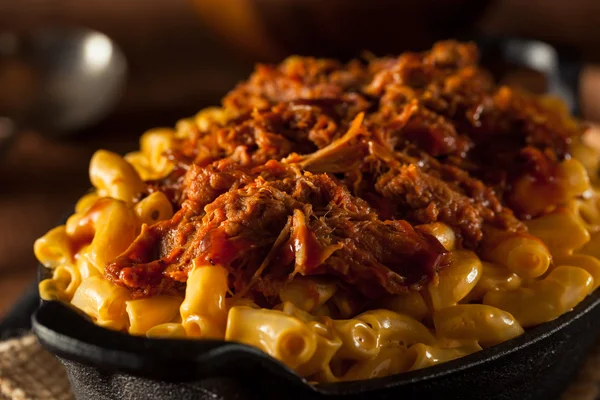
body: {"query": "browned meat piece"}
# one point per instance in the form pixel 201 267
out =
pixel 299 126
pixel 480 195
pixel 433 134
pixel 417 70
pixel 296 78
pixel 332 233
pixel 493 124
pixel 399 189
pixel 203 185
pixel 422 198
pixel 413 124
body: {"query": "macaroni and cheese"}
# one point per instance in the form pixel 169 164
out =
pixel 352 221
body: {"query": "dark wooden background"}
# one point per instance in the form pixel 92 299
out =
pixel 177 66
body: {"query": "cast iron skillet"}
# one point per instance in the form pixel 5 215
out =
pixel 103 364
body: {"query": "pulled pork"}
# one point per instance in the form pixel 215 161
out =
pixel 324 169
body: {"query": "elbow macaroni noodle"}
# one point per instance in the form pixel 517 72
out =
pixel 479 300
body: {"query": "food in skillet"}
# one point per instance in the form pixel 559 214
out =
pixel 352 221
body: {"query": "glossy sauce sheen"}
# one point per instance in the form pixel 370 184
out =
pixel 325 169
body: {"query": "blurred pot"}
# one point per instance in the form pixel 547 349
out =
pixel 269 30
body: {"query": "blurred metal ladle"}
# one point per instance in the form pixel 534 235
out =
pixel 57 80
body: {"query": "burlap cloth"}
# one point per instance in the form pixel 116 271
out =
pixel 28 372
